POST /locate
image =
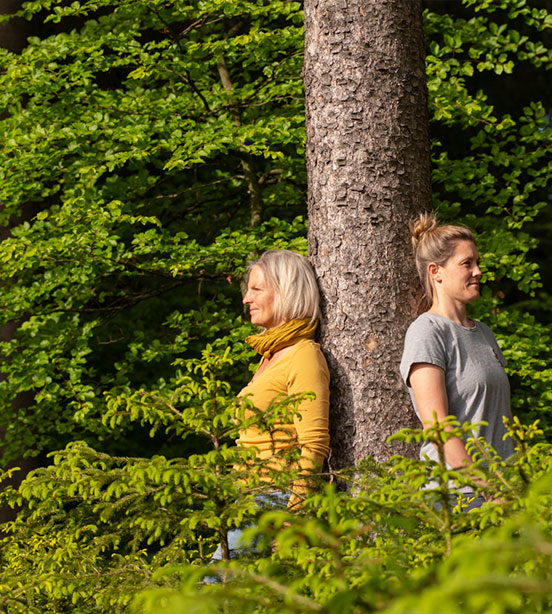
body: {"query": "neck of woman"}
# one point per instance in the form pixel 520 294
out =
pixel 452 310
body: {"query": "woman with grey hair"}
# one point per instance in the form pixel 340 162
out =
pixel 283 299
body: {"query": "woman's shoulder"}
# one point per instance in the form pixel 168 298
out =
pixel 426 334
pixel 427 324
pixel 306 348
pixel 432 323
pixel 306 356
pixel 306 366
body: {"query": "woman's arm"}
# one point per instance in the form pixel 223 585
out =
pixel 310 374
pixel 428 385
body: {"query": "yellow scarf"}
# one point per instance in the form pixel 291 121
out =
pixel 274 339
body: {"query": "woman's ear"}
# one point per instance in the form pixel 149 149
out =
pixel 433 272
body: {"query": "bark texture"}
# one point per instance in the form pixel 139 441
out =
pixel 369 174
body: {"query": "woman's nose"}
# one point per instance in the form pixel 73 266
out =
pixel 245 299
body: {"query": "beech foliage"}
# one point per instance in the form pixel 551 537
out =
pixel 161 143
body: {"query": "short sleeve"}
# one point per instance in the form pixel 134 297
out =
pixel 424 342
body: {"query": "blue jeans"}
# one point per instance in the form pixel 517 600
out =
pixel 475 503
pixel 276 500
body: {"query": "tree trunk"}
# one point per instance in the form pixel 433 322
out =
pixel 256 204
pixel 369 173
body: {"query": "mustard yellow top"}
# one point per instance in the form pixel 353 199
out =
pixel 301 369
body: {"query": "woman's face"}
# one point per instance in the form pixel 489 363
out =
pixel 260 299
pixel 458 278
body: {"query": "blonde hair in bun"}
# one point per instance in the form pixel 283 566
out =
pixel 434 243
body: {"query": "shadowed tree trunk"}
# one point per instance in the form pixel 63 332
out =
pixel 13 36
pixel 256 204
pixel 369 173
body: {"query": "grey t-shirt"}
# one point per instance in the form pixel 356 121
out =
pixel 477 385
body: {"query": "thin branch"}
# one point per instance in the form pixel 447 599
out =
pixel 187 79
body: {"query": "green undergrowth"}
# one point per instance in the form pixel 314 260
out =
pixel 98 533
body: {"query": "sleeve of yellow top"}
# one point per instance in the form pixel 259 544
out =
pixel 310 374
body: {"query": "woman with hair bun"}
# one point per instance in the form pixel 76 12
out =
pixel 451 364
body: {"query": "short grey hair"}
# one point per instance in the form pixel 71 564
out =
pixel 291 276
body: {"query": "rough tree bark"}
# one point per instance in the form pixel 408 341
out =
pixel 369 173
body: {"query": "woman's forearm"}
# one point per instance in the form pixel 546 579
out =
pixel 456 454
